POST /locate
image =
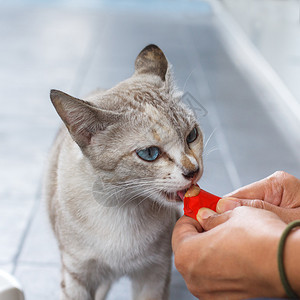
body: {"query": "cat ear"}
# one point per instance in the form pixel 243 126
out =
pixel 81 118
pixel 152 60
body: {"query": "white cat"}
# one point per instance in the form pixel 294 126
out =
pixel 115 174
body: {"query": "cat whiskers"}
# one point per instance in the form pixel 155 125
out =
pixel 205 152
pixel 147 193
pixel 137 183
pixel 187 79
pixel 209 138
pixel 213 149
pixel 144 189
pixel 134 189
pixel 147 197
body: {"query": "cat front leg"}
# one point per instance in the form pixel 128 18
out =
pixel 152 283
pixel 103 290
pixel 83 279
pixel 73 286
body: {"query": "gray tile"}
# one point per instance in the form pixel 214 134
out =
pixel 120 290
pixel 40 246
pixel 13 221
pixel 39 282
pixel 6 268
pixel 114 57
pixel 178 289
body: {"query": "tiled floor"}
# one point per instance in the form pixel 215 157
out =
pixel 77 46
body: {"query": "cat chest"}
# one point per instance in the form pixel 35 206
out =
pixel 123 240
pixel 127 246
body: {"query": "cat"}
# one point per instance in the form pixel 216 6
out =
pixel 117 171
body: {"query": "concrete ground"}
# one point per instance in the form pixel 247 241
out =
pixel 78 46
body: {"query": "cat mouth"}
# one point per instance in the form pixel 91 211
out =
pixel 175 196
pixel 181 194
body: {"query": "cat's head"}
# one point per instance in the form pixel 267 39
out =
pixel 138 136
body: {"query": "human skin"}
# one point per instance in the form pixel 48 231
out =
pixel 234 254
pixel 279 193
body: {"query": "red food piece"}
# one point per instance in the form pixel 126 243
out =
pixel 203 199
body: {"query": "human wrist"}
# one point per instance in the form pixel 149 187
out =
pixel 291 259
pixel 268 262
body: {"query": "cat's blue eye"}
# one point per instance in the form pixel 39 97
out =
pixel 192 135
pixel 149 154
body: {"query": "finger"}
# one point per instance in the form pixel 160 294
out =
pixel 286 214
pixel 228 203
pixel 185 228
pixel 256 190
pixel 269 189
pixel 208 219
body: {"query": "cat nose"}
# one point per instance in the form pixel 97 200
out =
pixel 191 175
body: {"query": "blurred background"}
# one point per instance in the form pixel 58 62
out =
pixel 237 61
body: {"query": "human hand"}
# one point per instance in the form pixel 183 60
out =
pixel 235 259
pixel 279 193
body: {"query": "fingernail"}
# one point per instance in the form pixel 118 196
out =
pixel 228 195
pixel 228 203
pixel 204 213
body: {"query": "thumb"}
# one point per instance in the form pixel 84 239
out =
pixel 229 203
pixel 208 219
